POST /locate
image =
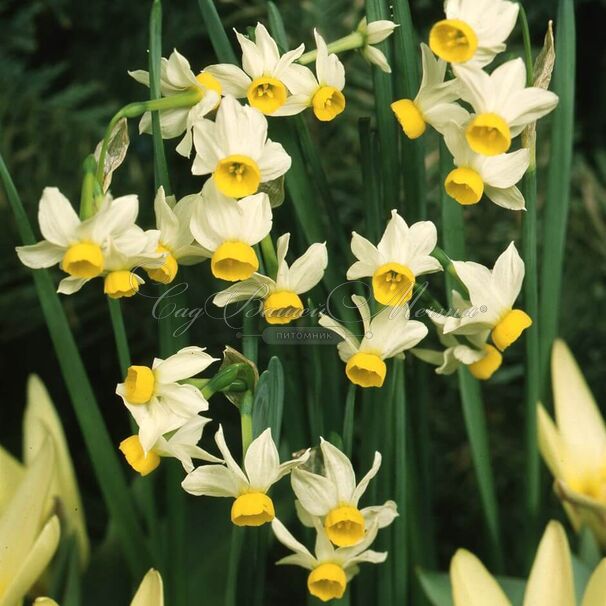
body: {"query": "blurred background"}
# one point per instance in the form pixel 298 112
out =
pixel 63 67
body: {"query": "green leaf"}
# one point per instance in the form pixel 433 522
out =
pixel 218 37
pixel 275 190
pixel 268 407
pixel 559 179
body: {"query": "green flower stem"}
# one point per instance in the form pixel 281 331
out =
pixel 225 378
pixel 246 421
pixel 269 256
pixel 115 312
pixel 352 41
pixel 532 486
pixel 348 420
pixel 87 195
pixel 449 267
pixel 138 108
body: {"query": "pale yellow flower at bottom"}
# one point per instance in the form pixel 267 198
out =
pixel 551 581
pixel 150 592
pixel 574 449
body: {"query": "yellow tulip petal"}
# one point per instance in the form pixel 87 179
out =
pixel 24 516
pixel 579 420
pixel 472 584
pixel 41 419
pixel 34 564
pixel 551 582
pixel 595 593
pixel 11 474
pixel 151 591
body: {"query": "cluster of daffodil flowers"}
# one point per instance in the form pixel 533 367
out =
pixel 221 116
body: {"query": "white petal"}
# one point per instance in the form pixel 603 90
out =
pixel 339 470
pixel 364 310
pixel 42 254
pixel 550 582
pixel 256 217
pixel 70 285
pixel 256 287
pixel 285 537
pixel 166 220
pixel 596 589
pixel 382 515
pixel 261 462
pixel 252 58
pixel 233 80
pixel 308 269
pixel 377 31
pixel 360 489
pixel 508 275
pixel 57 218
pixel 228 458
pixel 212 481
pixel 273 162
pixel 394 237
pixel 529 105
pixel 420 242
pixel 186 363
pixel 317 494
pixel 286 61
pixel 505 170
pixel 392 333
pixel 267 47
pixel 476 87
pixel 376 57
pixel 510 198
pixel 351 344
pixel 329 69
pixel 300 81
pixel 366 253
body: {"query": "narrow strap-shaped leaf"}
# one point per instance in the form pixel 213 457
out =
pixel 218 37
pixel 558 187
pixel 98 442
pixel 348 420
pixel 268 407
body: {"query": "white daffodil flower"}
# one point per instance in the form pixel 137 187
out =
pixel 281 301
pixel 249 487
pixel 492 294
pixel 503 105
pixel 330 569
pixel 403 253
pixel 374 33
pixel 158 403
pixel 80 247
pixel 434 102
pixel 150 592
pixel 575 448
pixel 387 335
pixel 177 77
pixel 236 151
pixel 262 81
pixel 474 31
pixel 476 174
pixel 334 498
pixel 28 536
pixel 551 581
pixel 176 240
pixel 181 444
pixel 482 359
pixel 322 91
pixel 229 229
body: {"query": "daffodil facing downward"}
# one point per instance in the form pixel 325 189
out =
pixel 492 295
pixel 551 581
pixel 175 240
pixel 434 103
pixel 263 79
pixel 176 78
pixel 474 31
pixel 248 487
pixel 229 229
pixel 236 151
pixel 157 401
pixel 281 301
pixel 333 498
pixel 387 335
pixel 402 254
pixel 475 175
pixel 503 105
pixel 330 569
pixel 574 448
pixel 323 92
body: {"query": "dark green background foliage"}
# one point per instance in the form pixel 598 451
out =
pixel 62 75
